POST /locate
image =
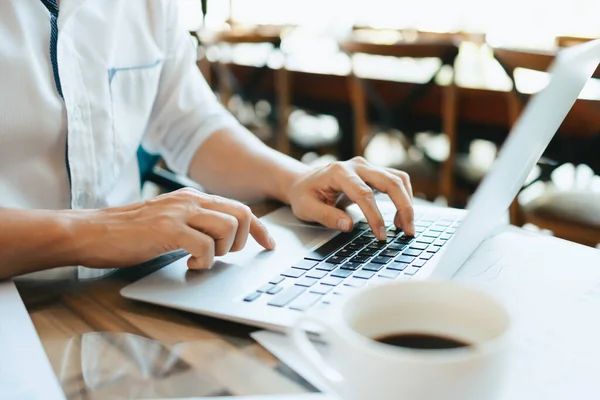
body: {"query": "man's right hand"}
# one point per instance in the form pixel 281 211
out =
pixel 205 226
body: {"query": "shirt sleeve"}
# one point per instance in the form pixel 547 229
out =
pixel 186 111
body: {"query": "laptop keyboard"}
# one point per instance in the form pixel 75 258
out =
pixel 354 259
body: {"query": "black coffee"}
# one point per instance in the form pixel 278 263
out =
pixel 422 341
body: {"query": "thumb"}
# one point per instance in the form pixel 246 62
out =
pixel 260 233
pixel 329 216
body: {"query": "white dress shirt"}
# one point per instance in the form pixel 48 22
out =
pixel 128 76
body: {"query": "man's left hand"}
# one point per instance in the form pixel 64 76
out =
pixel 315 194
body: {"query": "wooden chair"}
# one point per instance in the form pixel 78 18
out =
pixel 568 41
pixel 227 84
pixel 575 214
pixel 427 181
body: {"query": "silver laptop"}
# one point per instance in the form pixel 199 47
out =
pixel 314 267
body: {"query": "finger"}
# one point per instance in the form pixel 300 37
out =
pixel 345 180
pixel 394 187
pixel 330 216
pixel 200 246
pixel 221 227
pixel 236 209
pixel 405 178
pixel 260 233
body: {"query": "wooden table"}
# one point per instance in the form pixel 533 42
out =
pixel 102 346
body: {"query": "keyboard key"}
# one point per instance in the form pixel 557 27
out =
pixel 275 289
pixel 405 239
pixel 336 260
pixel 277 279
pixel 341 273
pixel 393 234
pixel 451 231
pixel 433 249
pixel 439 243
pixel 363 274
pixel 378 245
pixel 410 271
pixel 378 280
pixel 326 266
pixel 397 246
pixel 316 273
pixel 373 267
pixel 445 236
pixel 321 289
pixel 331 281
pixel 443 223
pixel 293 273
pixel 419 263
pixel 354 247
pixel 404 259
pixel 412 252
pixel 306 282
pixel 425 239
pixel 305 264
pixel 252 297
pixel 396 266
pixel 389 273
pixel 426 256
pixel 351 266
pixel 306 301
pixel 369 234
pixel 343 290
pixel 354 282
pixel 360 259
pixel 437 228
pixel 332 246
pixel 433 235
pixel 362 240
pixel 345 253
pixel 266 288
pixel 367 252
pixel 381 260
pixel 362 226
pixel 389 253
pixel 418 246
pixel 286 296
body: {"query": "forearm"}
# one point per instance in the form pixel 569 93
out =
pixel 35 240
pixel 238 165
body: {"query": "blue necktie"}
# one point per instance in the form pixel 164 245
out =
pixel 52 6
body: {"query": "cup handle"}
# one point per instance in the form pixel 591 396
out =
pixel 310 353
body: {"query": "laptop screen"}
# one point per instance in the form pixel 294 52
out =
pixel 526 143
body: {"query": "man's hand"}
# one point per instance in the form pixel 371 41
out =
pixel 206 226
pixel 314 195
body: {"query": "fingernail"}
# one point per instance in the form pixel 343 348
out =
pixel 344 225
pixel 382 233
pixel 271 241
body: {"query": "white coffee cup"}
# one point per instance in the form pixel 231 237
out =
pixel 361 368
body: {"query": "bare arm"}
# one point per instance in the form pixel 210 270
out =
pixel 238 165
pixel 34 240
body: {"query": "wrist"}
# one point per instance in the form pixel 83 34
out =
pixel 286 180
pixel 78 234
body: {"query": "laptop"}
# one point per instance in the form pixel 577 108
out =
pixel 313 267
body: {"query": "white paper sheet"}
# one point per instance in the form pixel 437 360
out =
pixel 552 290
pixel 25 372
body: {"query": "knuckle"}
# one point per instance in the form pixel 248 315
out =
pixel 365 192
pixel 244 211
pixel 231 223
pixel 206 245
pixel 359 160
pixel 338 168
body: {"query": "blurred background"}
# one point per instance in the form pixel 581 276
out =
pixel 430 87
